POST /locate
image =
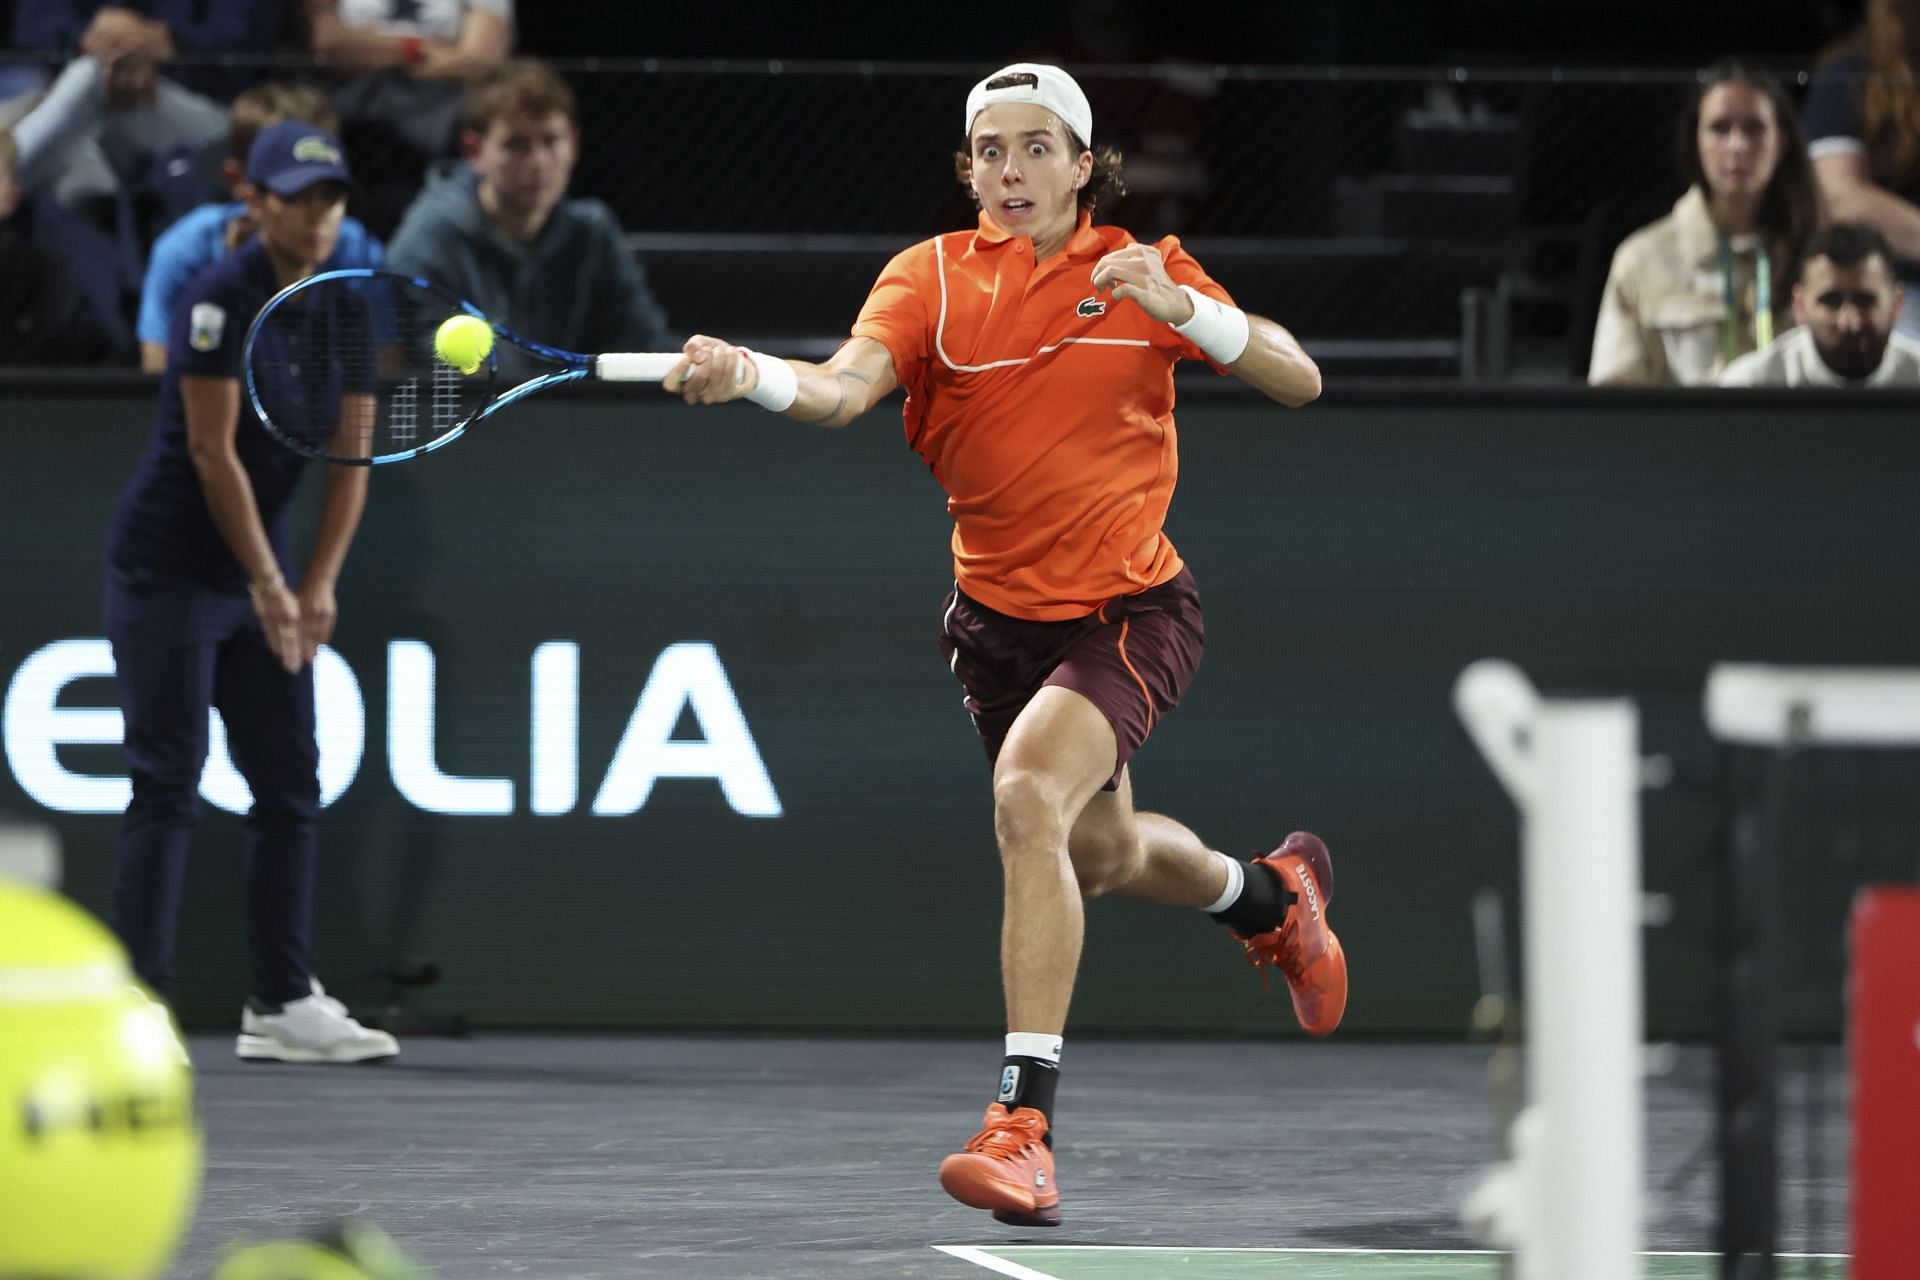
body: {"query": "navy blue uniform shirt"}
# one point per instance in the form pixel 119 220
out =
pixel 163 525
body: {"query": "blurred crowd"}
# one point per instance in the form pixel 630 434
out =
pixel 1783 262
pixel 121 169
pixel 123 135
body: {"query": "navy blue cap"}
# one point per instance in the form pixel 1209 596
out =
pixel 288 157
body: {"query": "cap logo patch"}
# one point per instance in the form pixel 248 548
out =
pixel 316 150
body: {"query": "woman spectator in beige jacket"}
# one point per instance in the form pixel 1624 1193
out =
pixel 1713 279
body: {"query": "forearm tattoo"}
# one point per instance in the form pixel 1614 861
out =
pixel 846 380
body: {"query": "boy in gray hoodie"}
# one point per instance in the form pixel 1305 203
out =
pixel 500 230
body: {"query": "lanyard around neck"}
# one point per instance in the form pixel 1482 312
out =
pixel 1730 344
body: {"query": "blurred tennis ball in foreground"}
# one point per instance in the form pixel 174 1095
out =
pixel 99 1149
pixel 344 1251
pixel 463 342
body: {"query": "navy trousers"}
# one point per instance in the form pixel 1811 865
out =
pixel 179 648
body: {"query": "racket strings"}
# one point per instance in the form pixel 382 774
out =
pixel 340 368
pixel 403 414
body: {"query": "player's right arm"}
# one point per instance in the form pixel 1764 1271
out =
pixel 857 376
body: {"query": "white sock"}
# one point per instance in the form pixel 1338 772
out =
pixel 1236 881
pixel 1030 1044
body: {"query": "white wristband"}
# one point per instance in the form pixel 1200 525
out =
pixel 778 386
pixel 1216 328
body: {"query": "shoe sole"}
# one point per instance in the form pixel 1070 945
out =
pixel 267 1049
pixel 960 1181
pixel 1332 1023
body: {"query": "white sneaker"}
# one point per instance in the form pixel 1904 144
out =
pixel 313 1029
pixel 320 993
pixel 144 993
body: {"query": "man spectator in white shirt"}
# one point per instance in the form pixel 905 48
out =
pixel 1844 305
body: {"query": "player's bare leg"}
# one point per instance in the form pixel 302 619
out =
pixel 1275 904
pixel 1117 849
pixel 1058 755
pixel 1064 840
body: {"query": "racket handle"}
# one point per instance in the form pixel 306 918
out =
pixel 635 366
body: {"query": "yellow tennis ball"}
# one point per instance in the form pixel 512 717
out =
pixel 463 342
pixel 99 1148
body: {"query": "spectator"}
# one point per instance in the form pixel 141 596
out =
pixel 501 230
pixel 425 40
pixel 408 61
pixel 111 112
pixel 211 232
pixel 1845 303
pixel 1690 293
pixel 1863 117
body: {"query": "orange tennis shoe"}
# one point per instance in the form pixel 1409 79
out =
pixel 1303 948
pixel 1007 1168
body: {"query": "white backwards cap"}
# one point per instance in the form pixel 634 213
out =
pixel 1044 86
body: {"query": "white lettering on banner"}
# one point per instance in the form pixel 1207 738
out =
pixel 687 678
pixel 687 675
pixel 555 784
pixel 410 758
pixel 33 726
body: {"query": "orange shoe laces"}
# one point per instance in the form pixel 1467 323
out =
pixel 1280 948
pixel 1004 1138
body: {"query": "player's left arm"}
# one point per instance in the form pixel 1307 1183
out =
pixel 340 511
pixel 1263 354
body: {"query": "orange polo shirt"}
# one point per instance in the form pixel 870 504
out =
pixel 1044 409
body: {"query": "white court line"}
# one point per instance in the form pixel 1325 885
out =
pixel 1424 1253
pixel 1212 1248
pixel 981 1258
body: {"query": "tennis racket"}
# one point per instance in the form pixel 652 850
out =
pixel 341 367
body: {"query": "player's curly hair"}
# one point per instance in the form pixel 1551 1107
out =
pixel 1105 184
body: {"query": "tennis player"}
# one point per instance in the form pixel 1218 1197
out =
pixel 203 609
pixel 1037 352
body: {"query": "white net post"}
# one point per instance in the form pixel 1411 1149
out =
pixel 1570 1205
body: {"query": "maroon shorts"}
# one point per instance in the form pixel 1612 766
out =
pixel 1133 658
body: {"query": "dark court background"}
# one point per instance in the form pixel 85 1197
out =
pixel 1352 558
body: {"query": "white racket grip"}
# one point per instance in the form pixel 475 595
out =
pixel 635 366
